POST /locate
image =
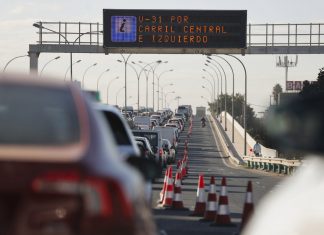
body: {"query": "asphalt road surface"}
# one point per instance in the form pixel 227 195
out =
pixel 205 157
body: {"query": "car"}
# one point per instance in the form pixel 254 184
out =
pixel 175 125
pixel 180 115
pixel 127 145
pixel 169 151
pixel 178 121
pixel 157 117
pixel 155 140
pixel 64 163
pixel 149 154
pixel 170 134
pixel 143 122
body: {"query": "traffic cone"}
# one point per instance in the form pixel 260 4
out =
pixel 164 186
pixel 201 198
pixel 248 206
pixel 223 214
pixel 168 195
pixel 211 207
pixel 177 197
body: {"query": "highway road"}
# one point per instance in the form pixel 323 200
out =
pixel 205 157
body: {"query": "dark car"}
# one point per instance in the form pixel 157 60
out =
pixel 60 172
pixel 148 152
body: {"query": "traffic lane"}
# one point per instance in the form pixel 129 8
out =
pixel 205 157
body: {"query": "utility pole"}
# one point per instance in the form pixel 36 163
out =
pixel 285 62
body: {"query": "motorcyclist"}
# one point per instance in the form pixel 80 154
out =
pixel 203 121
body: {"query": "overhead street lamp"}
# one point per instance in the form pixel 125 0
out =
pixel 162 91
pixel 56 58
pixel 118 94
pixel 4 69
pixel 209 91
pixel 233 83
pixel 211 85
pixel 203 97
pixel 158 91
pixel 70 66
pixel 178 98
pixel 245 98
pixel 86 72
pixel 225 98
pixel 153 72
pixel 100 76
pixel 165 97
pixel 125 60
pixel 214 98
pixel 109 84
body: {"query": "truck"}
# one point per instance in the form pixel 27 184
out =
pixel 200 111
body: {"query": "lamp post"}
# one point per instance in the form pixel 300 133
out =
pixel 109 84
pixel 165 96
pixel 86 72
pixel 138 75
pixel 158 91
pixel 162 92
pixel 153 72
pixel 178 98
pixel 245 98
pixel 233 81
pixel 225 98
pixel 100 76
pixel 4 69
pixel 219 104
pixel 70 66
pixel 125 60
pixel 118 94
pixel 56 58
pixel 209 91
pixel 211 85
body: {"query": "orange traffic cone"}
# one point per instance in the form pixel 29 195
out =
pixel 211 208
pixel 201 198
pixel 223 214
pixel 177 197
pixel 248 206
pixel 164 187
pixel 168 195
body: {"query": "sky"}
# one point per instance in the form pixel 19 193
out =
pixel 17 32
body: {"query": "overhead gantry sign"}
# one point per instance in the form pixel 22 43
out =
pixel 174 31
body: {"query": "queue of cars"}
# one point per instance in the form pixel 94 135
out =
pixel 70 165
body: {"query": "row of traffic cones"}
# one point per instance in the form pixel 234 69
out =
pixel 219 212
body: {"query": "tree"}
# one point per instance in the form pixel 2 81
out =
pixel 313 88
pixel 277 89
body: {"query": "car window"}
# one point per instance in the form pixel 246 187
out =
pixel 118 129
pixel 37 116
pixel 152 137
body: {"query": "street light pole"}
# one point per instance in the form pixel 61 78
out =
pixel 178 98
pixel 165 96
pixel 86 72
pixel 245 98
pixel 158 91
pixel 233 83
pixel 225 99
pixel 98 79
pixel 125 64
pixel 162 88
pixel 4 69
pixel 70 66
pixel 118 94
pixel 56 58
pixel 211 85
pixel 109 86
pixel 209 91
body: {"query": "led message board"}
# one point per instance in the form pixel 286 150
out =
pixel 174 28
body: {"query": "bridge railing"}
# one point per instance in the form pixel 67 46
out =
pixel 277 165
pixel 268 35
pixel 271 35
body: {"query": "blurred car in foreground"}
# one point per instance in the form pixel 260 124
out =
pixel 60 172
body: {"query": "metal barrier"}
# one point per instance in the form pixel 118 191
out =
pixel 276 165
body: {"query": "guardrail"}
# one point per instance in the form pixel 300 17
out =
pixel 277 165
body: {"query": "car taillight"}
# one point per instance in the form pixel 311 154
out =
pixel 104 201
